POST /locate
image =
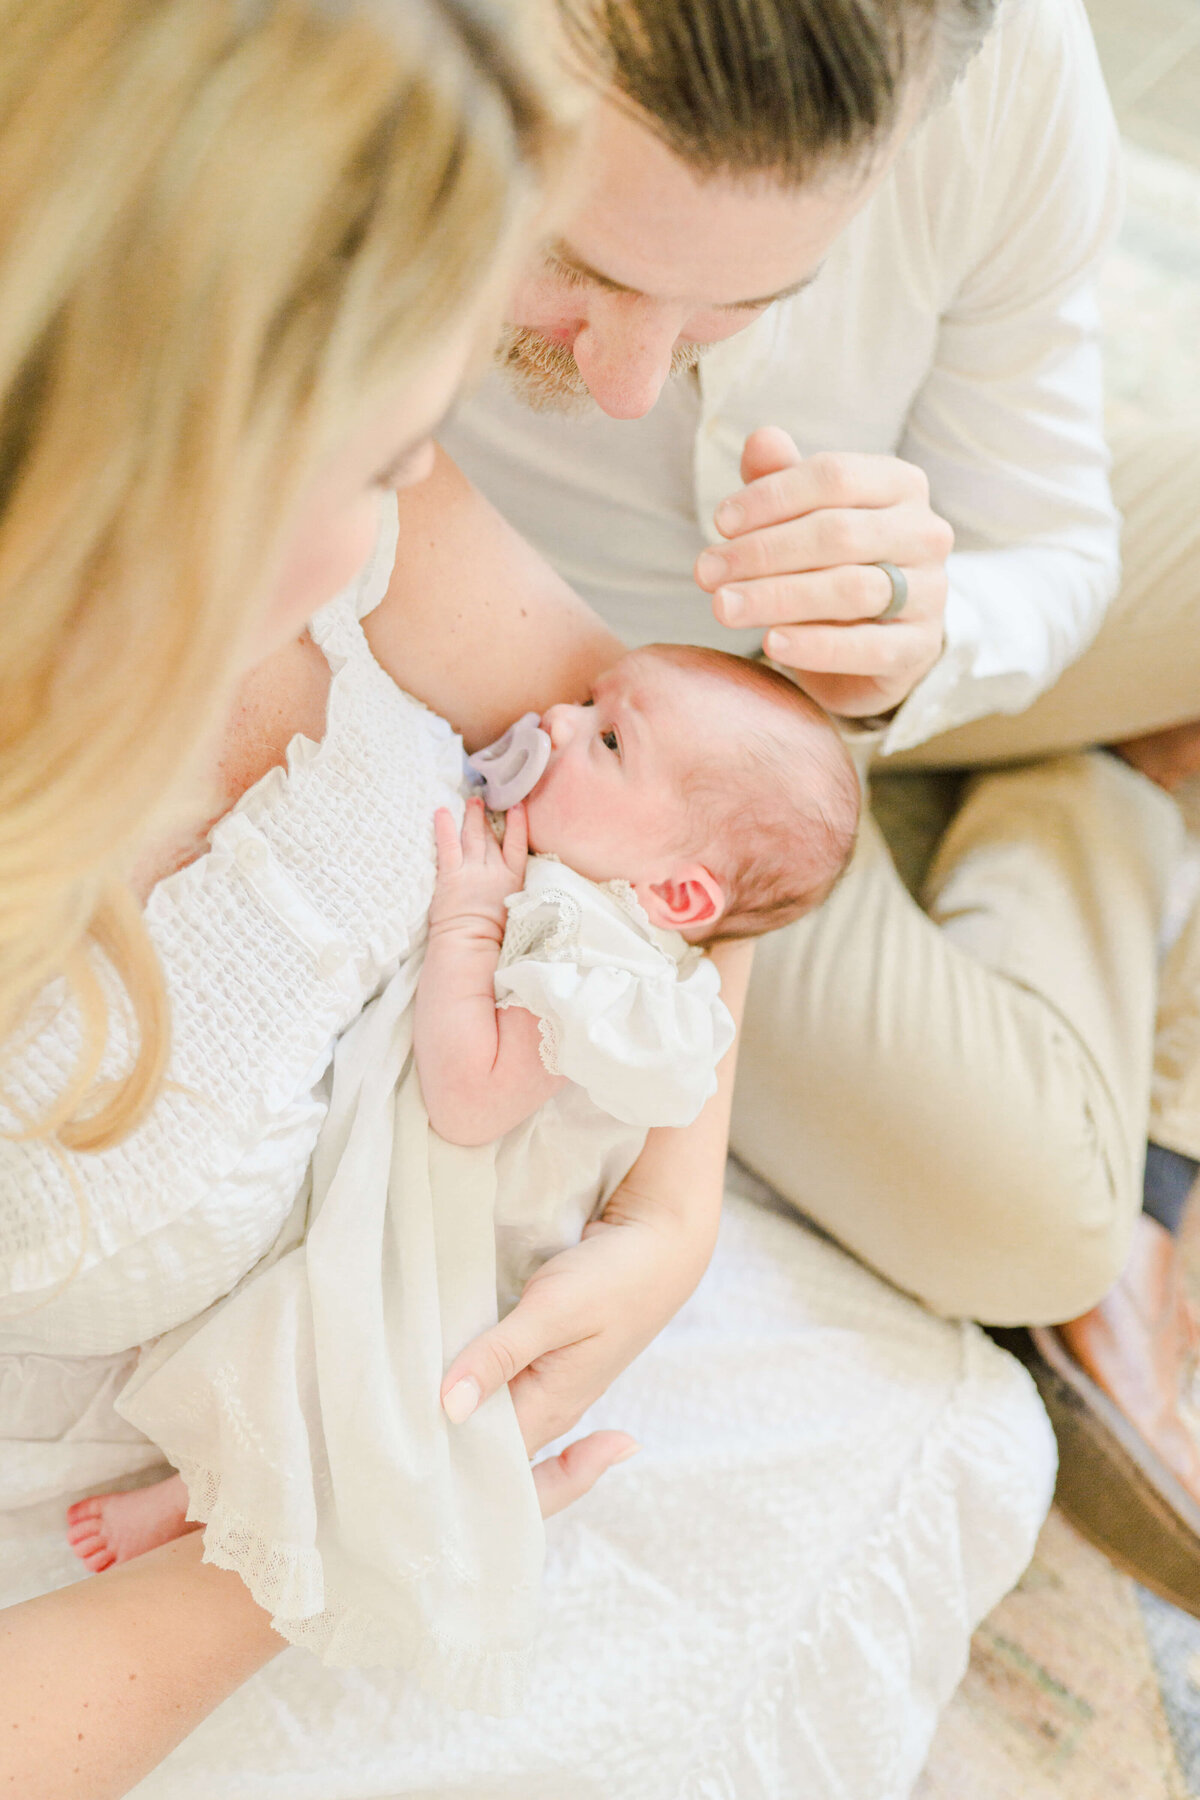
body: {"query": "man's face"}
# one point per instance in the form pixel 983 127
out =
pixel 658 262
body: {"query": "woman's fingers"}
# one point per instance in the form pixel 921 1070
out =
pixel 498 1355
pixel 562 1479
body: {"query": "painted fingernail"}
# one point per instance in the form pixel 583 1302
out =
pixel 710 567
pixel 733 604
pixel 729 516
pixel 462 1400
pixel 625 1455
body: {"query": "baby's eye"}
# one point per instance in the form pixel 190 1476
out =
pixel 589 702
pixel 609 740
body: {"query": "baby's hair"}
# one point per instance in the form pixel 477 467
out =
pixel 780 814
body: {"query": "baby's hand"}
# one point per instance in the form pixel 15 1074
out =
pixel 475 873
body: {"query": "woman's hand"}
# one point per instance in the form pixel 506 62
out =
pixel 802 538
pixel 582 1318
pixel 587 1312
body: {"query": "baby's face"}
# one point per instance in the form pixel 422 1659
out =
pixel 609 804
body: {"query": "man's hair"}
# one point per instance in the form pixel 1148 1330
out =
pixel 781 87
pixel 776 807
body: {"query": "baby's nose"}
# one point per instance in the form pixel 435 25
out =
pixel 557 723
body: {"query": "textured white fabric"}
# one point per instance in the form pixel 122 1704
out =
pixel 303 1413
pixel 631 1014
pixel 316 885
pixel 953 324
pixel 770 1603
pixel 773 1600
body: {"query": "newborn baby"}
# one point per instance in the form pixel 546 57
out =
pixel 564 1006
pixel 695 795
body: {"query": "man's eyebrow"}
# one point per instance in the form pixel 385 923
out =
pixel 784 293
pixel 564 258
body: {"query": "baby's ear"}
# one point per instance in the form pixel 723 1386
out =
pixel 684 900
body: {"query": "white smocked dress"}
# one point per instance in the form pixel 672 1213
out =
pixel 773 1599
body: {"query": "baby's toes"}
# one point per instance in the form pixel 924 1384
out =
pixel 98 1556
pixel 91 1546
pixel 84 1515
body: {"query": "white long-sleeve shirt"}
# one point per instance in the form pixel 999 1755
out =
pixel 953 324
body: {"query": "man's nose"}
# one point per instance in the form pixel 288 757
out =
pixel 623 351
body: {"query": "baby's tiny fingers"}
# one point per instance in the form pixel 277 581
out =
pixel 445 837
pixel 475 828
pixel 516 839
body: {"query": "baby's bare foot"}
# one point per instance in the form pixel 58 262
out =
pixel 1167 757
pixel 112 1528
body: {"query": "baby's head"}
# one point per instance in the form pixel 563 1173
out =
pixel 712 784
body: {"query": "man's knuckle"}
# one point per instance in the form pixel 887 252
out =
pixel 772 497
pixel 833 476
pixel 896 653
pixel 838 537
pixel 747 558
pixel 855 588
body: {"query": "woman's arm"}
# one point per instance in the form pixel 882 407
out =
pixel 475 623
pixel 99 1681
pixel 586 1313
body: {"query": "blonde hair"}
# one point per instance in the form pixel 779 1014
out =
pixel 222 224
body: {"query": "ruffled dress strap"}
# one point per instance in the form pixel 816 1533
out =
pixel 631 1014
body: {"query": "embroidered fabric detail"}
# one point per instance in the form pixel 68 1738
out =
pixel 287 1581
pixel 544 925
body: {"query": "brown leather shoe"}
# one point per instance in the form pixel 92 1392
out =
pixel 1119 1387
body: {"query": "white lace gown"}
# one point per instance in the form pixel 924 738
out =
pixel 303 1412
pixel 632 1016
pixel 773 1600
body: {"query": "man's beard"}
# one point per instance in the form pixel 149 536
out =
pixel 545 377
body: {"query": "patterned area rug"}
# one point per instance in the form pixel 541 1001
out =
pixel 1081 1685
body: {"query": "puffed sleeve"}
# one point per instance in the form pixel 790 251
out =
pixel 641 1032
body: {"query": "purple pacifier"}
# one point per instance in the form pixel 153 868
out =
pixel 512 766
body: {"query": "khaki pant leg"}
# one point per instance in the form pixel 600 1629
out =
pixel 960 1095
pixel 1142 672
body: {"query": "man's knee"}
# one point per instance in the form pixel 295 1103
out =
pixel 1059 1218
